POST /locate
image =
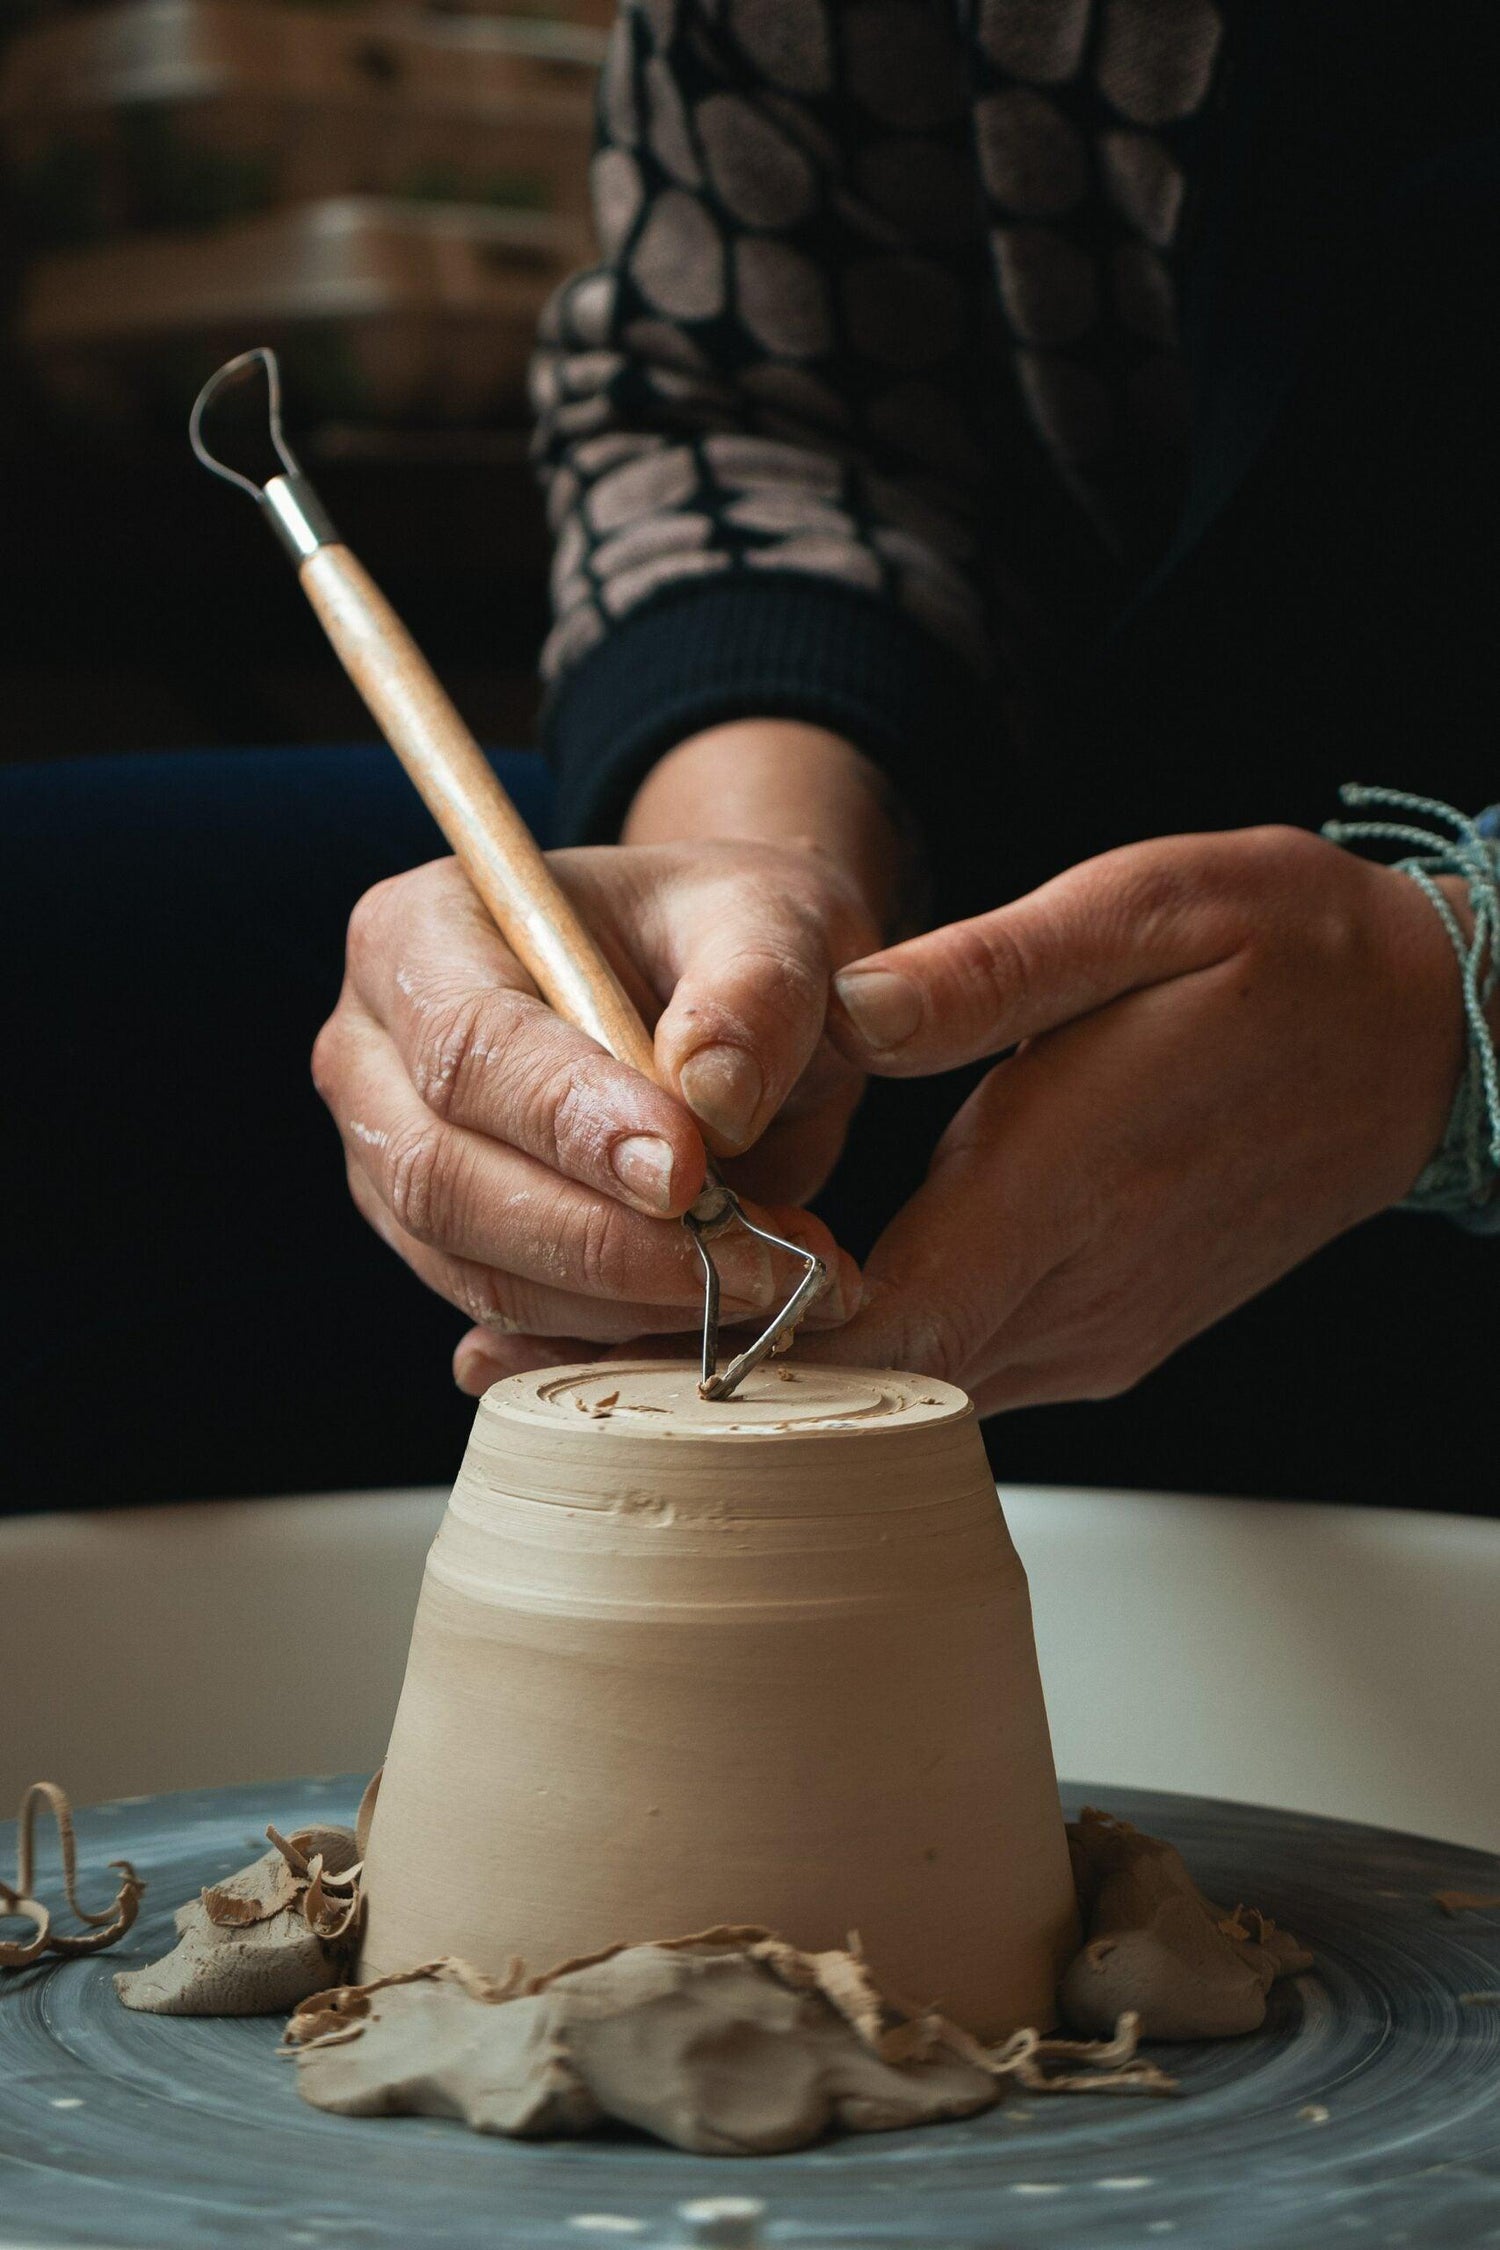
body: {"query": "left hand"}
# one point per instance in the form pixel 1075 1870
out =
pixel 1230 1048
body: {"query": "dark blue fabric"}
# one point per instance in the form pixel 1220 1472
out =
pixel 188 1303
pixel 797 646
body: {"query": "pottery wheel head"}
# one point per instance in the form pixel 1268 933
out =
pixel 659 1398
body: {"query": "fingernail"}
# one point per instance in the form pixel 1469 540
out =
pixel 643 1163
pixel 723 1086
pixel 746 1272
pixel 884 1008
pixel 474 1371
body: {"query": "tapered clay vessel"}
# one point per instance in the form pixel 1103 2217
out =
pixel 764 1661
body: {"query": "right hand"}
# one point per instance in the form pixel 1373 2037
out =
pixel 523 1173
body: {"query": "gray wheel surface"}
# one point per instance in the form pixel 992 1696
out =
pixel 1367 2111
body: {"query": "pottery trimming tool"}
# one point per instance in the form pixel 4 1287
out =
pixel 487 834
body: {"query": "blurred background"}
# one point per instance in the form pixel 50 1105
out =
pixel 387 193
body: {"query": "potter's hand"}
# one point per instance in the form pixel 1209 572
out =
pixel 524 1174
pixel 1231 1048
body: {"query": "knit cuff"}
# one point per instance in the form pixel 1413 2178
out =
pixel 1462 1182
pixel 753 647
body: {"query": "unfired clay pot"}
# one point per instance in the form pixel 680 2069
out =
pixel 765 1661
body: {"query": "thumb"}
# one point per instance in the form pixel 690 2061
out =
pixel 1112 925
pixel 750 974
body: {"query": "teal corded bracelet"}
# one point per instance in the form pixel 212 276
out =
pixel 1461 1181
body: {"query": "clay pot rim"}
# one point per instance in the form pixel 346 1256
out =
pixel 929 1406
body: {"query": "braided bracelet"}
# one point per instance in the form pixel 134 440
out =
pixel 1460 1182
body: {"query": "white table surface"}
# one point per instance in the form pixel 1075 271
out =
pixel 1336 1660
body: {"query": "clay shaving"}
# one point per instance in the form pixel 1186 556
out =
pixel 1466 1902
pixel 18 1900
pixel 734 2042
pixel 258 1942
pixel 1155 1945
pixel 727 2043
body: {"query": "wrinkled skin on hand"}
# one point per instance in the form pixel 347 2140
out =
pixel 1220 1051
pixel 524 1174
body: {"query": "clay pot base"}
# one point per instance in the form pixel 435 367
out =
pixel 679 1665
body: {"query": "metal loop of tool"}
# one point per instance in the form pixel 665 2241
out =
pixel 469 792
pixel 296 514
pixel 778 1332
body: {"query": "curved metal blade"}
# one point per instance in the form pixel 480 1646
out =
pixel 777 1334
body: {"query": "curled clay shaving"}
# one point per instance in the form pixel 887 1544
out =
pixel 1155 1946
pixel 730 2042
pixel 1466 1902
pixel 262 1939
pixel 19 1899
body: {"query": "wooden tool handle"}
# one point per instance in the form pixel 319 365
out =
pixel 459 788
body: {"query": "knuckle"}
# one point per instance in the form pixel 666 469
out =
pixel 418 1180
pixel 370 919
pixel 451 1044
pixel 929 1339
pixel 991 968
pixel 1152 891
pixel 483 1296
pixel 1286 846
pixel 793 981
pixel 324 1060
pixel 799 990
pixel 952 1344
pixel 572 1115
pixel 602 1251
pixel 778 995
pixel 1251 862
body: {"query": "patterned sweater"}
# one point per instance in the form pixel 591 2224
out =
pixel 881 353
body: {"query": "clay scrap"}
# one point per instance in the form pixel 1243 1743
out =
pixel 727 2043
pixel 1155 1945
pixel 260 1941
pixel 1466 1902
pixel 734 2042
pixel 18 1900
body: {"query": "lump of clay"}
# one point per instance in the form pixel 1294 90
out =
pixel 728 2044
pixel 1157 1947
pixel 263 1939
pixel 701 2046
